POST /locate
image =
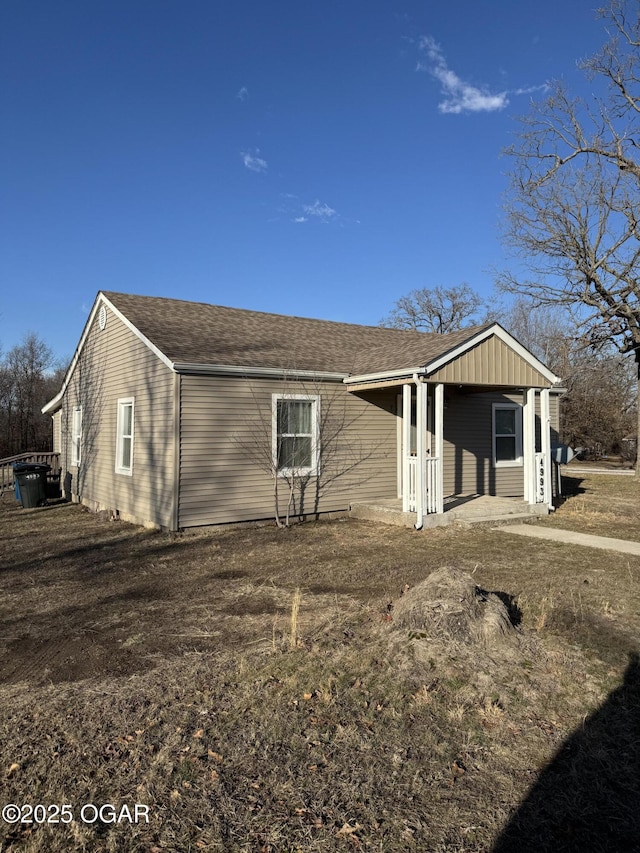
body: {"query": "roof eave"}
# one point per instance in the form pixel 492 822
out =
pixel 184 367
pixel 53 405
pixel 362 378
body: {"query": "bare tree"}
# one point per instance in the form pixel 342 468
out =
pixel 256 444
pixel 573 209
pixel 26 381
pixel 437 309
pixel 598 410
pixel 340 453
pixel 547 332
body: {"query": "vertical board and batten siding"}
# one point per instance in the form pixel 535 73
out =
pixel 225 424
pixel 468 443
pixel 490 362
pixel 115 364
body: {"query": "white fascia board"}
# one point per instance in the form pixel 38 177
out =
pixel 54 404
pixel 247 371
pixel 101 299
pixel 409 372
pixel 506 338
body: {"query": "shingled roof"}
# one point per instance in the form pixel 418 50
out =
pixel 203 334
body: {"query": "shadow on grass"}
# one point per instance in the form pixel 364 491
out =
pixel 101 553
pixel 587 798
pixel 595 634
pixel 572 486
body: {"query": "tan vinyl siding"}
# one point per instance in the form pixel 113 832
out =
pixel 468 446
pixel 115 364
pixel 468 443
pixel 226 426
pixel 490 362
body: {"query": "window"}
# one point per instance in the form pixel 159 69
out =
pixel 124 437
pixel 295 428
pixel 507 434
pixel 76 435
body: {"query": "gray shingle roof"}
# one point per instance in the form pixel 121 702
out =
pixel 199 333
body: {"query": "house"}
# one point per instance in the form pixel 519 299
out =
pixel 178 414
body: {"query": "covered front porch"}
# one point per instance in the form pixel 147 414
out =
pixel 474 433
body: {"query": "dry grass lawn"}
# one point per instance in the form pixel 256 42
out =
pixel 167 670
pixel 602 504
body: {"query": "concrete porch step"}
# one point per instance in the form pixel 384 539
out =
pixel 383 514
pixel 481 510
pixel 471 513
pixel 512 518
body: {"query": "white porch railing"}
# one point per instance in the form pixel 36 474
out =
pixel 430 485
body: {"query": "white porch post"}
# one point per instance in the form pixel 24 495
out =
pixel 421 451
pixel 529 444
pixel 406 444
pixel 438 432
pixel 545 430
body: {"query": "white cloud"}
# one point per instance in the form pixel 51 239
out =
pixel 242 94
pixel 544 87
pixel 253 162
pixel 460 96
pixel 299 213
pixel 321 211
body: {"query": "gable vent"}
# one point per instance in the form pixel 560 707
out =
pixel 102 317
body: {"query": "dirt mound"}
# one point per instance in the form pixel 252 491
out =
pixel 449 605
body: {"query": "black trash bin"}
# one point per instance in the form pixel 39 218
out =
pixel 32 482
pixel 17 468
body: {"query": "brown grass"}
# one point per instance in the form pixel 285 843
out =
pixel 601 504
pixel 146 667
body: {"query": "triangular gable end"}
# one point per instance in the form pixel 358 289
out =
pixel 101 299
pixel 496 358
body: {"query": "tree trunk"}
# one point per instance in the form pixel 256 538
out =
pixel 637 354
pixel 276 500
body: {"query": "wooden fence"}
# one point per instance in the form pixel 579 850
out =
pixel 6 466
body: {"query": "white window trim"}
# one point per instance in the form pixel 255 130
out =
pixel 315 420
pixel 122 402
pixel 519 460
pixel 76 435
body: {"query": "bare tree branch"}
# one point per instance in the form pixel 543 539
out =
pixel 436 309
pixel 26 383
pixel 340 449
pixel 573 208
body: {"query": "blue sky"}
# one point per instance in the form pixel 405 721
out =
pixel 317 159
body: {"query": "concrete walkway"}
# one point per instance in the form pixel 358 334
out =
pixel 568 471
pixel 568 537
